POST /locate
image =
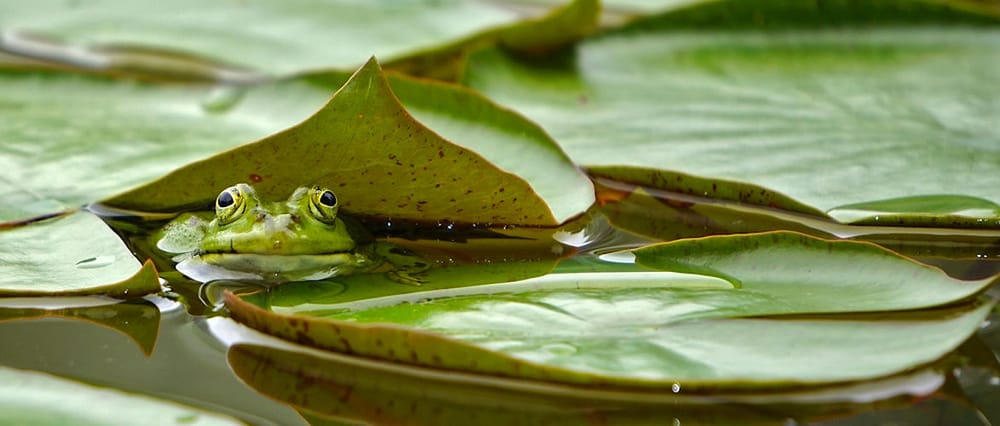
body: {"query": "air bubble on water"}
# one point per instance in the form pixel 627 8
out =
pixel 95 262
pixel 676 388
pixel 222 99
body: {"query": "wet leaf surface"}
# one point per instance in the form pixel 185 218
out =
pixel 579 338
pixel 673 329
pixel 72 255
pixel 854 103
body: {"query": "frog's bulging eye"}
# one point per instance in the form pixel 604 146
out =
pixel 225 200
pixel 323 205
pixel 328 199
pixel 230 204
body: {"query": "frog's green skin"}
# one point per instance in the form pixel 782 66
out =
pixel 298 239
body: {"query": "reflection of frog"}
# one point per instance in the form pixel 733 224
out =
pixel 299 239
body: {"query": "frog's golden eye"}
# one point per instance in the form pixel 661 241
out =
pixel 230 204
pixel 323 204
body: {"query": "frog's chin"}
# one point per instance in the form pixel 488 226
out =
pixel 269 267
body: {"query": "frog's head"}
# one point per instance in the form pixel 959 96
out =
pixel 305 224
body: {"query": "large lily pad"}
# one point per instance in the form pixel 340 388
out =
pixel 365 146
pixel 273 37
pixel 624 338
pixel 851 102
pixel 30 397
pixel 67 140
pixel 72 255
pixel 629 331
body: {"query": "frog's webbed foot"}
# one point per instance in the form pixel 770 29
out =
pixel 404 277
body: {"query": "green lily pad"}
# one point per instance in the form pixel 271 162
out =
pixel 364 145
pixel 651 338
pixel 803 274
pixel 851 102
pixel 68 140
pixel 633 330
pixel 72 255
pixel 30 397
pixel 273 37
pixel 139 320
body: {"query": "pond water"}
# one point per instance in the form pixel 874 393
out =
pixel 181 346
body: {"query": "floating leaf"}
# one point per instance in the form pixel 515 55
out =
pixel 831 104
pixel 648 337
pixel 72 255
pixel 809 275
pixel 381 162
pixel 616 329
pixel 30 397
pixel 233 41
pixel 68 140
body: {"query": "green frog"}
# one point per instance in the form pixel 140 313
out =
pixel 299 239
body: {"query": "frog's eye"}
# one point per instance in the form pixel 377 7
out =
pixel 230 204
pixel 323 204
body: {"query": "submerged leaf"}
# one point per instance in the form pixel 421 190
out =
pixel 817 101
pixel 72 255
pixel 381 162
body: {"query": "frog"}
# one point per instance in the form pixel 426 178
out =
pixel 302 238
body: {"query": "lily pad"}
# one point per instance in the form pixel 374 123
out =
pixel 68 139
pixel 851 102
pixel 71 255
pixel 364 145
pixel 30 397
pixel 633 332
pixel 270 37
pixel 651 338
pixel 803 274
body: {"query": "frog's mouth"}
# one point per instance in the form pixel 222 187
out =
pixel 279 263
